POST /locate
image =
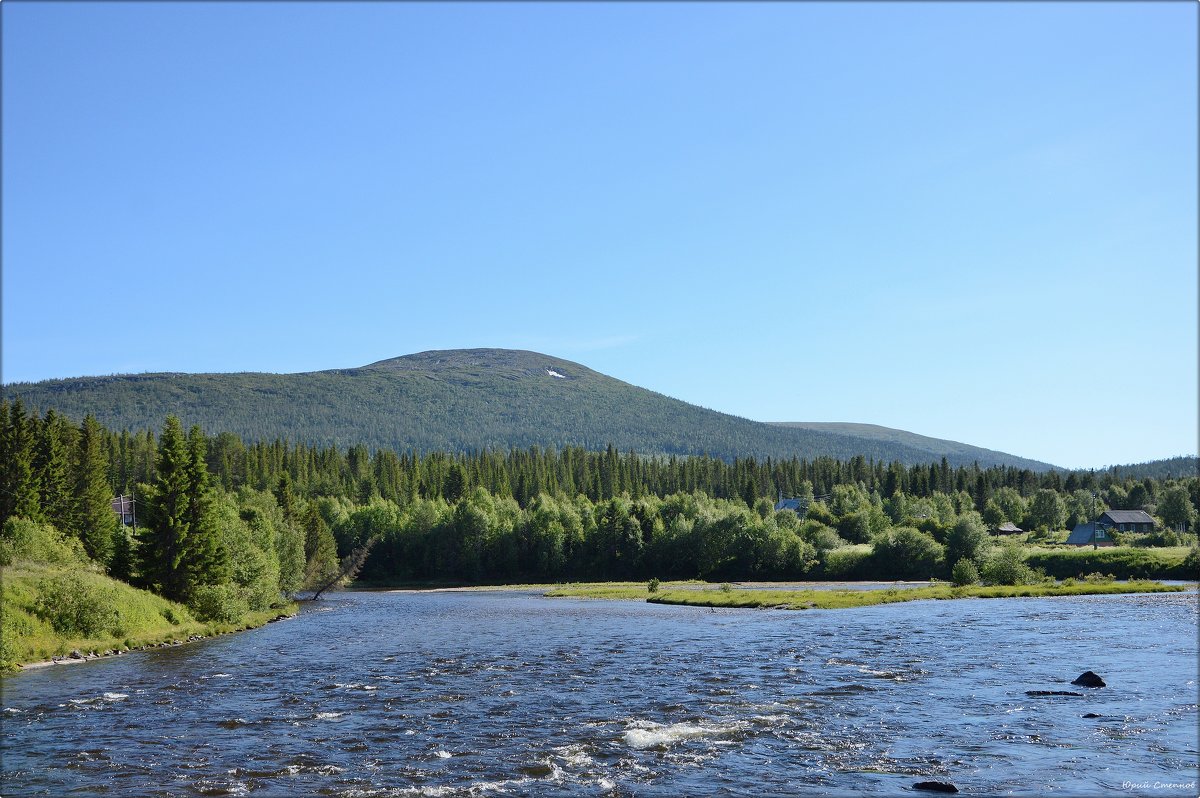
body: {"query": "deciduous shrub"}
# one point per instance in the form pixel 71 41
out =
pixel 821 537
pixel 22 539
pixel 967 539
pixel 904 552
pixel 75 606
pixel 964 573
pixel 1099 578
pixel 224 603
pixel 1006 566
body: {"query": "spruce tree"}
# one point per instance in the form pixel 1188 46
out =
pixel 94 519
pixel 163 538
pixel 19 494
pixel 121 564
pixel 52 461
pixel 206 561
pixel 320 550
pixel 285 497
pixel 455 484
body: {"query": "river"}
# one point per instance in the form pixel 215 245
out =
pixel 510 693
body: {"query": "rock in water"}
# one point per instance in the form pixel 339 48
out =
pixel 1052 692
pixel 935 786
pixel 1093 715
pixel 1089 679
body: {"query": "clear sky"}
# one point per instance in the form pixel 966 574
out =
pixel 975 221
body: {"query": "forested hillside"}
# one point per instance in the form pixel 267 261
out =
pixel 468 400
pixel 228 527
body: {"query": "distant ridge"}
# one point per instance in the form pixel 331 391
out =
pixel 936 447
pixel 468 399
pixel 1167 468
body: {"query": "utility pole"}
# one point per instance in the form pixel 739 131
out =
pixel 1095 522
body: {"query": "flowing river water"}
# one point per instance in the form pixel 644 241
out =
pixel 509 693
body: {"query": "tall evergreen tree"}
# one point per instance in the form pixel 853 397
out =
pixel 455 484
pixel 320 549
pixel 163 538
pixel 123 561
pixel 205 558
pixel 285 497
pixel 19 490
pixel 52 462
pixel 95 521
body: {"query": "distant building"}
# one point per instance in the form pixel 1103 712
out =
pixel 1088 534
pixel 797 506
pixel 123 506
pixel 1127 520
pixel 1098 531
pixel 1007 528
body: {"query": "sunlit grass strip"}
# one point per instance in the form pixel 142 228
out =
pixel 616 590
pixel 842 599
pixel 147 619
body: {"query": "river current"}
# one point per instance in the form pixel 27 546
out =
pixel 509 693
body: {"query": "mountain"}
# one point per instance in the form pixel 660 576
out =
pixel 936 448
pixel 459 400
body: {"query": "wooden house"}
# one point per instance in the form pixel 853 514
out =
pixel 1127 520
pixel 1089 534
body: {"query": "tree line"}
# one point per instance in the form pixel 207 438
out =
pixel 223 524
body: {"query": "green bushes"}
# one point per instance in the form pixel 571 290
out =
pixel 50 610
pixel 964 573
pixel 1006 566
pixel 1122 562
pixel 1162 538
pixel 904 552
pixel 967 539
pixel 75 606
pixel 21 539
pixel 224 603
pixel 848 562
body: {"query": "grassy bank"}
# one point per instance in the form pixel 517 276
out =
pixel 841 599
pixel 1123 562
pixel 51 610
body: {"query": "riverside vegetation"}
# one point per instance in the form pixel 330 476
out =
pixel 228 532
pixel 728 596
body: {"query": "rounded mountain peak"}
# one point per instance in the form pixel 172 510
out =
pixel 507 361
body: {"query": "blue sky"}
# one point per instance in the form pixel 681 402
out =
pixel 971 221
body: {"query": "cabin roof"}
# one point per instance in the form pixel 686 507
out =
pixel 1127 516
pixel 1081 535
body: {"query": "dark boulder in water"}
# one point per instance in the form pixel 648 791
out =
pixel 935 786
pixel 1093 715
pixel 1089 679
pixel 1052 692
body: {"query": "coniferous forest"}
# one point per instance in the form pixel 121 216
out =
pixel 225 525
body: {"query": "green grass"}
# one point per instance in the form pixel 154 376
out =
pixel 1123 562
pixel 842 599
pixel 617 590
pixel 140 618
